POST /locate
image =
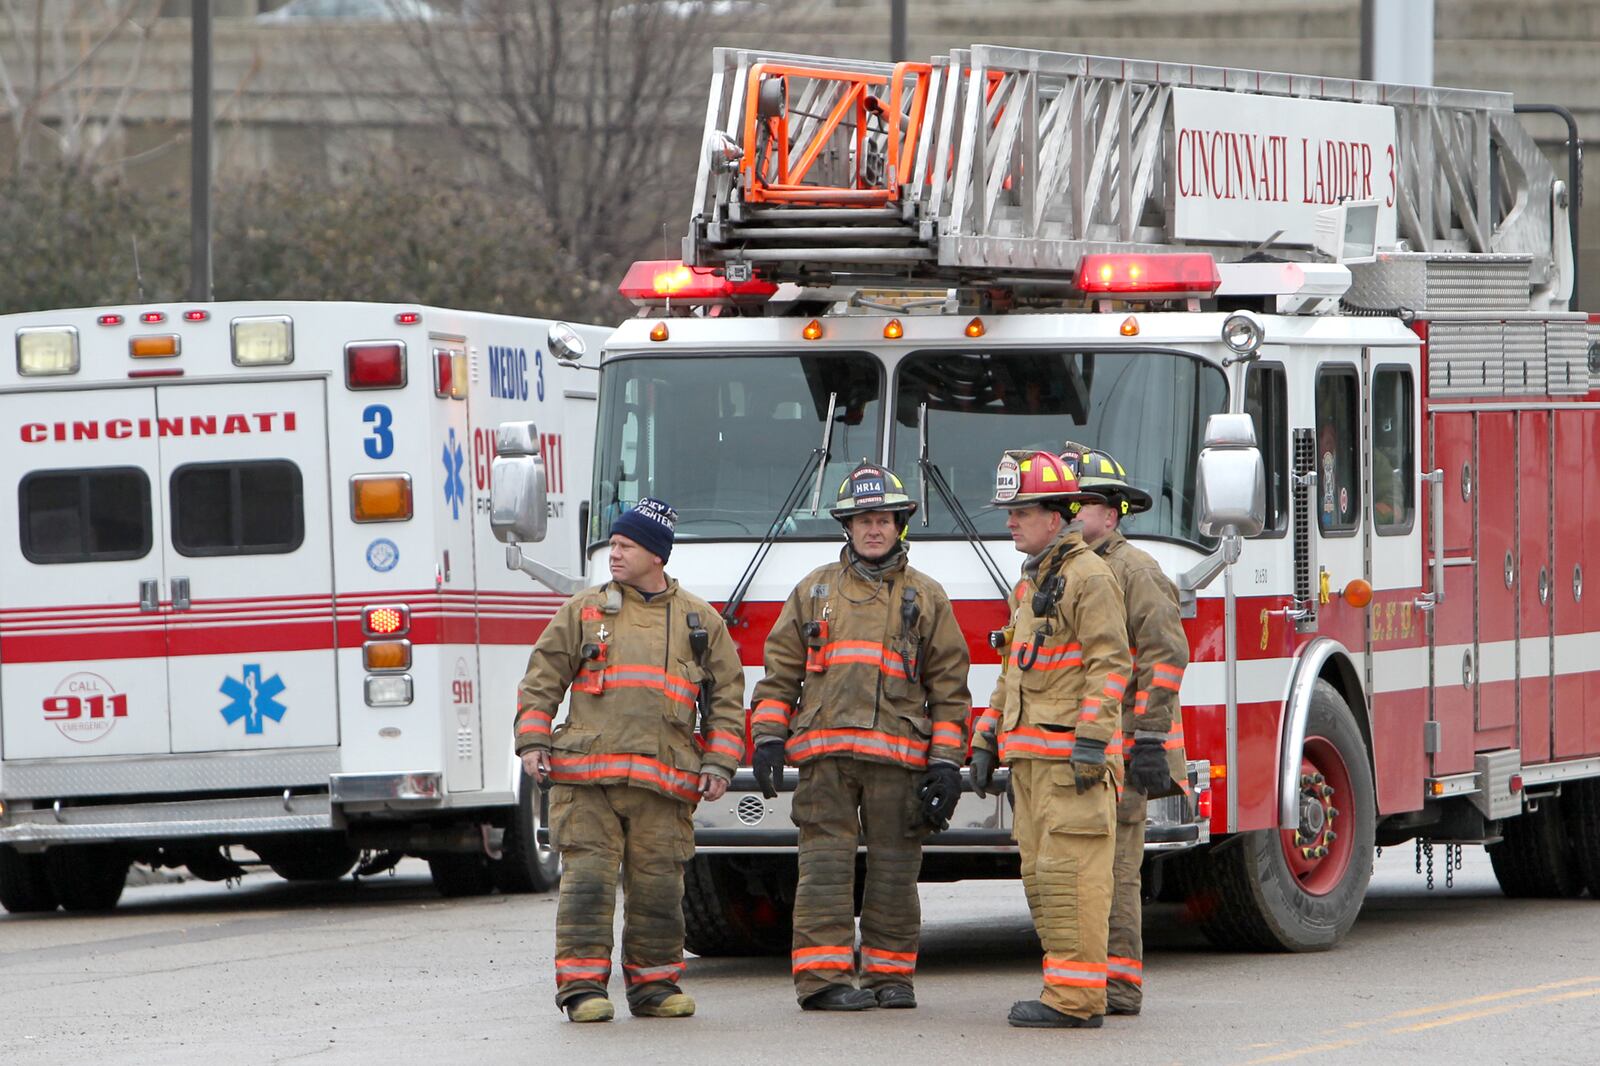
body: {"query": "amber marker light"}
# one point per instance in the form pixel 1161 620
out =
pixel 380 498
pixel 1358 593
pixel 893 330
pixel 975 328
pixel 1130 327
pixel 813 331
pixel 161 346
pixel 658 332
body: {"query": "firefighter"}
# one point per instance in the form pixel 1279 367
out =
pixel 866 691
pixel 1150 715
pixel 1053 718
pixel 642 656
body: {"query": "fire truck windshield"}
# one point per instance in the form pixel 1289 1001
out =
pixel 1147 408
pixel 723 438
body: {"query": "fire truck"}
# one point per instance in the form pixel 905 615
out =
pixel 249 595
pixel 1324 323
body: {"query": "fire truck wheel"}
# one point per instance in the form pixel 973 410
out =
pixel 739 904
pixel 524 864
pixel 1298 890
pixel 461 873
pixel 311 857
pixel 1581 803
pixel 1532 859
pixel 87 877
pixel 24 888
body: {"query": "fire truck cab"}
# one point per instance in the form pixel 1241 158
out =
pixel 1323 323
pixel 250 595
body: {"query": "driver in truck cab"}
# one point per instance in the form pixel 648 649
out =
pixel 866 690
pixel 642 657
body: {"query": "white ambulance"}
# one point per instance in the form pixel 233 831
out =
pixel 249 594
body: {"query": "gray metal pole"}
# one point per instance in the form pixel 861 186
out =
pixel 200 153
pixel 897 31
pixel 1369 22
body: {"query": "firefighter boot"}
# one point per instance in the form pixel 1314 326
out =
pixel 1031 1014
pixel 1125 949
pixel 660 839
pixel 590 1007
pixel 589 835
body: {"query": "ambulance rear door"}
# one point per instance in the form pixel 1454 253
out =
pixel 249 562
pixel 83 668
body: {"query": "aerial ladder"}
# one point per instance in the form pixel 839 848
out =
pixel 994 165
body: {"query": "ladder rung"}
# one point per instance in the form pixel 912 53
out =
pixel 820 214
pixel 820 233
pixel 835 255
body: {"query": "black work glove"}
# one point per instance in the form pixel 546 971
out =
pixel 984 761
pixel 1088 763
pixel 940 789
pixel 1147 770
pixel 768 765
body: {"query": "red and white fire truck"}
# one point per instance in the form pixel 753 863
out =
pixel 249 594
pixel 1357 293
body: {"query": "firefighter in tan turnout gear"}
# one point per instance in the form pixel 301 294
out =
pixel 866 691
pixel 644 658
pixel 1054 719
pixel 1150 715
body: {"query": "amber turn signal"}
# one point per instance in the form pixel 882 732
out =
pixel 1358 593
pixel 380 498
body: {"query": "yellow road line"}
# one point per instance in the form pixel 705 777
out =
pixel 1497 998
pixel 1468 1016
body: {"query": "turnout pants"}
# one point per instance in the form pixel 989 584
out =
pixel 1067 844
pixel 837 801
pixel 599 829
pixel 1125 950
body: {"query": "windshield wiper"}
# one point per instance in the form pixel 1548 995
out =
pixel 819 456
pixel 928 473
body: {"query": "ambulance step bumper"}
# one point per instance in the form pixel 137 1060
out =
pixel 231 819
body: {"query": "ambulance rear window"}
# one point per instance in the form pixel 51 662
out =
pixel 85 516
pixel 244 508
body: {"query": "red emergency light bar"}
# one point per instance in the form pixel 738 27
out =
pixel 1149 274
pixel 654 281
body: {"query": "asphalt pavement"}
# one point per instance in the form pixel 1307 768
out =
pixel 385 972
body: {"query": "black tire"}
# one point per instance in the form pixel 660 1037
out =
pixel 739 904
pixel 1580 802
pixel 310 856
pixel 524 865
pixel 1244 895
pixel 460 873
pixel 87 877
pixel 1532 859
pixel 24 887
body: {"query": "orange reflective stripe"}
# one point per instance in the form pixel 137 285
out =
pixel 1033 742
pixel 1051 656
pixel 632 769
pixel 632 675
pixel 1128 971
pixel 1141 701
pixel 1070 972
pixel 582 970
pixel 867 652
pixel 874 960
pixel 1116 685
pixel 1175 736
pixel 829 957
pixel 867 742
pixel 1167 677
pixel 724 743
pixel 770 712
pixel 953 734
pixel 643 975
pixel 533 723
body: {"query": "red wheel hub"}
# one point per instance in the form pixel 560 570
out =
pixel 1319 852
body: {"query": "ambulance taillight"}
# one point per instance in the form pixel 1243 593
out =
pixel 375 365
pixel 386 621
pixel 47 350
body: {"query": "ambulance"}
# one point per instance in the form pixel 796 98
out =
pixel 251 606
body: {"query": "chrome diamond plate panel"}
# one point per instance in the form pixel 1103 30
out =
pixel 135 774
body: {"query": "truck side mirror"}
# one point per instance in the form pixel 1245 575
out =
pixel 517 511
pixel 1231 489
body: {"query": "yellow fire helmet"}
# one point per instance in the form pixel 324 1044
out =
pixel 1101 475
